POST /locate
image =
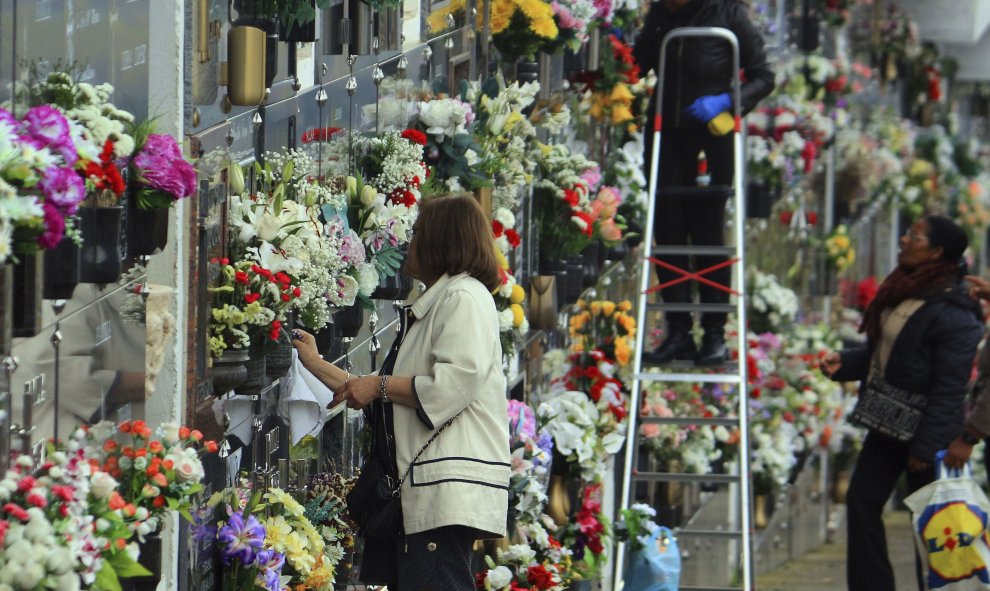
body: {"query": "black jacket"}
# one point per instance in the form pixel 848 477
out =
pixel 933 354
pixel 702 66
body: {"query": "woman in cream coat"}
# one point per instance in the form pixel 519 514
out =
pixel 445 368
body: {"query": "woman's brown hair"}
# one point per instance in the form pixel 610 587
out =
pixel 453 236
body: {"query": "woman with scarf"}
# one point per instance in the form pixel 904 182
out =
pixel 922 331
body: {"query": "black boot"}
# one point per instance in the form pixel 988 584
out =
pixel 679 345
pixel 713 350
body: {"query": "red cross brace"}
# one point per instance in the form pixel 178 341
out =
pixel 686 276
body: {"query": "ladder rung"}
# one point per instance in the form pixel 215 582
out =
pixel 729 366
pixel 727 421
pixel 694 250
pixel 711 378
pixel 690 307
pixel 708 533
pixel 686 477
pixel 695 190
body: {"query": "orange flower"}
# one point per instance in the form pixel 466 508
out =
pixel 127 452
pixel 121 543
pixel 141 452
pixel 110 446
pixel 130 509
pixel 138 426
pixel 116 501
pixel 211 446
pixel 156 447
pixel 159 502
pixel 195 434
pixel 125 427
pixel 183 432
pixel 160 480
pixel 168 464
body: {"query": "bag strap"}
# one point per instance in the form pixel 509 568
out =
pixel 422 449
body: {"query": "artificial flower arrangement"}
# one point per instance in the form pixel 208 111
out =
pixel 450 151
pixel 520 28
pixel 266 541
pixel 509 295
pixel 532 454
pixel 574 20
pixel 503 134
pixel 588 533
pixel 326 508
pixel 572 418
pixel 66 511
pixel 250 302
pixel 839 249
pixel 612 98
pixel 523 567
pixel 281 228
pixel 636 526
pixel 149 472
pixel 161 173
pixel 39 190
pixel 562 200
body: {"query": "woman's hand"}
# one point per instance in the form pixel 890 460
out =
pixel 958 453
pixel 305 343
pixel 979 288
pixel 358 392
pixel 916 464
pixel 831 363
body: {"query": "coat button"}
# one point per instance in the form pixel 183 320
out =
pixel 431 546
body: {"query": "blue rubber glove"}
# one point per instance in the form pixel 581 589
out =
pixel 706 108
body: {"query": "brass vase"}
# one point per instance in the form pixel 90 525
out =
pixel 559 503
pixel 246 57
pixel 760 517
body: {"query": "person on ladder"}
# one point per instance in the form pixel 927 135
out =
pixel 697 121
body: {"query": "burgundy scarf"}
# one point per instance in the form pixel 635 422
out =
pixel 902 284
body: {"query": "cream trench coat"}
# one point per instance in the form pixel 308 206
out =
pixel 454 355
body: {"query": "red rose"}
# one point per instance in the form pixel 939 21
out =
pixel 539 577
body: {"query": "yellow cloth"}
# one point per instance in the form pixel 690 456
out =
pixel 722 124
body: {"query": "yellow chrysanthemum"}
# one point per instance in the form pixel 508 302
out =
pixel 518 315
pixel 628 323
pixel 608 308
pixel 544 27
pixel 596 308
pixel 624 306
pixel 502 11
pixel 535 9
pixel 503 263
pixel 518 294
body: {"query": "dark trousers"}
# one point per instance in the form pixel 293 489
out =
pixel 880 464
pixel 695 220
pixel 436 560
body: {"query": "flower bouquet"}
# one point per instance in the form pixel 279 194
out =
pixel 450 149
pixel 520 28
pixel 588 533
pixel 532 453
pixel 326 509
pixel 162 174
pixel 39 190
pixel 64 512
pixel 562 203
pixel 249 302
pixel 156 475
pixel 509 295
pixel 545 567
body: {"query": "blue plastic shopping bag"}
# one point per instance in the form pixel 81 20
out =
pixel 949 518
pixel 656 566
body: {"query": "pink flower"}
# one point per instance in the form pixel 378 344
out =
pixel 48 128
pixel 63 188
pixel 54 227
pixel 162 167
pixel 592 176
pixel 565 20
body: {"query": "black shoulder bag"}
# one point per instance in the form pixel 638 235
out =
pixel 373 502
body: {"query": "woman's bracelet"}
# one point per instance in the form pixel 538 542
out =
pixel 381 389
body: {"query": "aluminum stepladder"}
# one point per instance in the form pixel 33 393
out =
pixel 741 479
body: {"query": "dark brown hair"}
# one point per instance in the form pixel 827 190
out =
pixel 454 236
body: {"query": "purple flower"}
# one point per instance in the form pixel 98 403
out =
pixel 48 128
pixel 54 227
pixel 63 188
pixel 8 119
pixel 269 564
pixel 522 420
pixel 163 167
pixel 545 442
pixel 243 539
pixel 769 341
pixel 592 176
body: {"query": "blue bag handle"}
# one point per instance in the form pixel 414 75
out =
pixel 943 472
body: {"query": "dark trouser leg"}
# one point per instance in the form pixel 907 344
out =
pixel 880 464
pixel 669 222
pixel 706 226
pixel 437 560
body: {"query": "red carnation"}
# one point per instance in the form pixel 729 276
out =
pixel 252 297
pixel 539 577
pixel 241 277
pixel 497 228
pixel 513 237
pixel 415 136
